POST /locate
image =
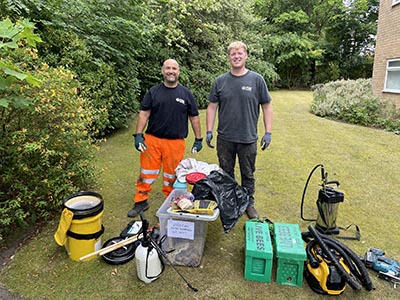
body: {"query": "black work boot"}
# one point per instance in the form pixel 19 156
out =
pixel 138 208
pixel 251 212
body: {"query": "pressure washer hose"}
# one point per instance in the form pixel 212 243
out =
pixel 349 278
pixel 305 190
pixel 363 272
pixel 353 261
pixel 314 261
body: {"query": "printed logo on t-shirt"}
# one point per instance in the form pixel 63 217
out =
pixel 246 88
pixel 181 101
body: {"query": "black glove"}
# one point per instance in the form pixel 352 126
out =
pixel 139 142
pixel 265 141
pixel 198 145
pixel 209 138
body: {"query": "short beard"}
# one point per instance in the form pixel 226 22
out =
pixel 171 81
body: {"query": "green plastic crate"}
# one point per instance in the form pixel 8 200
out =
pixel 290 254
pixel 259 254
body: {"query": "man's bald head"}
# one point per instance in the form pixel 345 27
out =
pixel 170 62
pixel 170 71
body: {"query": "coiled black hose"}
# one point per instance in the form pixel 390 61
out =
pixel 349 278
pixel 362 269
pixel 356 266
pixel 313 261
pixel 345 257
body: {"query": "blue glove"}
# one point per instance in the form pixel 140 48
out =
pixel 265 141
pixel 198 145
pixel 209 138
pixel 139 142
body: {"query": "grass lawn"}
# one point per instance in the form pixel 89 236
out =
pixel 365 161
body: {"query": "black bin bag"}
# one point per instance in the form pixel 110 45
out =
pixel 232 198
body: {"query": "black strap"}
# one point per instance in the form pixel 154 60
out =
pixel 356 237
pixel 358 233
pixel 90 236
pixel 149 249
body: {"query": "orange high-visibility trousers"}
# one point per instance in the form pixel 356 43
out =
pixel 160 153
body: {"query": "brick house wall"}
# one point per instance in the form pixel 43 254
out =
pixel 387 47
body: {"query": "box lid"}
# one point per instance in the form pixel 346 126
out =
pixel 288 241
pixel 165 210
pixel 191 216
pixel 258 239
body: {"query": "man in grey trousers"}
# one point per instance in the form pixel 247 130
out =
pixel 238 95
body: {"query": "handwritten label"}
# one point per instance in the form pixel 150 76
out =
pixel 180 229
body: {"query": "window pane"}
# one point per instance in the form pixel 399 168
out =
pixel 394 63
pixel 393 80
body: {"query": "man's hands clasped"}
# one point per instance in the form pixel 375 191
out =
pixel 265 141
pixel 139 142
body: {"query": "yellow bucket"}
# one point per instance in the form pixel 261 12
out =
pixel 86 229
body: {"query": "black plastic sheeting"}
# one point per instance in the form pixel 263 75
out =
pixel 232 198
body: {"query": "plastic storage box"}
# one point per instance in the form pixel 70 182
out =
pixel 290 254
pixel 258 254
pixel 183 235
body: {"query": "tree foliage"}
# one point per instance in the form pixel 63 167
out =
pixel 197 33
pixel 73 71
pixel 350 38
pixel 10 73
pixel 104 35
pixel 45 149
pixel 317 41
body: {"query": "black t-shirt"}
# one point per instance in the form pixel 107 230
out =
pixel 170 109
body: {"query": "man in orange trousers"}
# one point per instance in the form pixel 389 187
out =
pixel 165 109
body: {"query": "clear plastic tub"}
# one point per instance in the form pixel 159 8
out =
pixel 183 234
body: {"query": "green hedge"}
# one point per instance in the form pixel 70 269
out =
pixel 352 101
pixel 46 149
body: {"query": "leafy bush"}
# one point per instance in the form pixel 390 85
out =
pixel 267 70
pixel 199 81
pixel 352 101
pixel 98 81
pixel 45 149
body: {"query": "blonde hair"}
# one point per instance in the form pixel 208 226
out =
pixel 237 45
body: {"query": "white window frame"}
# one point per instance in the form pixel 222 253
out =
pixel 391 69
pixel 394 2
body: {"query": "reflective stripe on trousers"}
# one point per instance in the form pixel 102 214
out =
pixel 160 153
